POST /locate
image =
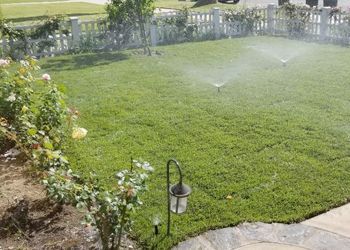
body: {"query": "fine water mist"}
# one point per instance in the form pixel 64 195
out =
pixel 280 52
pixel 219 73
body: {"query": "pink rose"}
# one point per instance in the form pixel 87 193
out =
pixel 4 62
pixel 46 77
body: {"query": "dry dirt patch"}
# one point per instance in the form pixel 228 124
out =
pixel 28 220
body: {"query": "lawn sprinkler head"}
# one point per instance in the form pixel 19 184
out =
pixel 218 86
pixel 284 62
pixel 156 224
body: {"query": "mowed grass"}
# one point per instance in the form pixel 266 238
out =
pixel 27 12
pixel 174 4
pixel 27 1
pixel 192 5
pixel 275 138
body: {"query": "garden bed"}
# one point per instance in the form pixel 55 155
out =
pixel 30 221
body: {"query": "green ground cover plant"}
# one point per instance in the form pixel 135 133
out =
pixel 271 146
pixel 33 12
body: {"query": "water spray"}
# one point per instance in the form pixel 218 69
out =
pixel 283 57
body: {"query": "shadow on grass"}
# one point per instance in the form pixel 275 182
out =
pixel 203 2
pixel 45 17
pixel 83 61
pixel 153 242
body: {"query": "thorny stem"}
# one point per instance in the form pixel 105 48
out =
pixel 131 164
pixel 120 231
pixel 113 242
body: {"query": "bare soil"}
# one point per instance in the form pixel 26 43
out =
pixel 28 220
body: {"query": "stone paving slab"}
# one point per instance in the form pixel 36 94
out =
pixel 270 246
pixel 328 231
pixel 336 220
pixel 251 236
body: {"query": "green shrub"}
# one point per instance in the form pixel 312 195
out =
pixel 108 210
pixel 297 17
pixel 33 113
pixel 44 33
pixel 247 18
pixel 180 30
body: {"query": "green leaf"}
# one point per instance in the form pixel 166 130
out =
pixel 32 131
pixel 48 145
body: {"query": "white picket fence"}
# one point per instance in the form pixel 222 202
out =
pixel 320 26
pixel 96 34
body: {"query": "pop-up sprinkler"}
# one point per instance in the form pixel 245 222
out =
pixel 284 62
pixel 218 86
pixel 156 224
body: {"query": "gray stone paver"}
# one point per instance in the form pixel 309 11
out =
pixel 336 220
pixel 329 231
pixel 227 238
pixel 324 240
pixel 270 246
pixel 267 236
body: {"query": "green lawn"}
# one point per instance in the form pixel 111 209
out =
pixel 275 138
pixel 27 12
pixel 27 1
pixel 175 4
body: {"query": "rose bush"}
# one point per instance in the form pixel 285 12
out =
pixel 109 211
pixel 35 121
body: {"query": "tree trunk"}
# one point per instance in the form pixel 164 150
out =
pixel 141 21
pixel 144 39
pixel 120 231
